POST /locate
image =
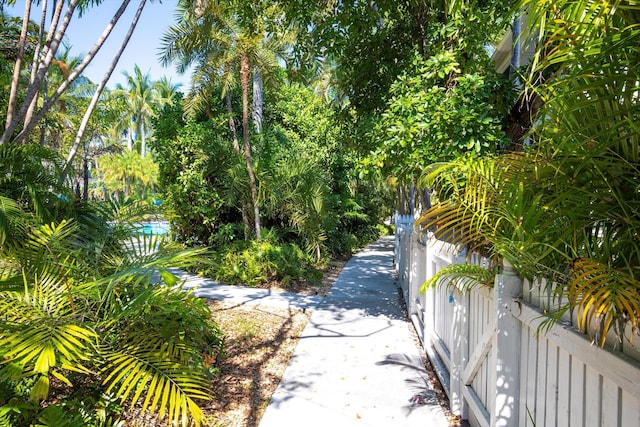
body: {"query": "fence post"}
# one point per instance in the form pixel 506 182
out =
pixel 404 231
pixel 507 288
pixel 460 348
pixel 409 297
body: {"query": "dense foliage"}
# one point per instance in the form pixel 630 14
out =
pixel 565 208
pixel 437 112
pixel 83 331
pixel 300 116
pixel 309 192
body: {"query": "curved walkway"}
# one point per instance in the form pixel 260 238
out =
pixel 357 363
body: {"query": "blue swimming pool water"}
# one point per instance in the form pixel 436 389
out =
pixel 155 228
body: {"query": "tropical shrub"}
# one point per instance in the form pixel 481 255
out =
pixel 89 314
pixel 309 192
pixel 194 171
pixel 254 263
pixel 566 208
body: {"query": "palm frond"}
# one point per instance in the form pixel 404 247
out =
pixel 461 276
pixel 602 295
pixel 41 334
pixel 148 367
pixel 12 218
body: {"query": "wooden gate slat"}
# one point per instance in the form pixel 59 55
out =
pixel 479 354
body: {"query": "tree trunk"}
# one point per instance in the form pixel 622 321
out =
pixel 49 53
pixel 34 70
pixel 18 65
pixel 99 89
pixel 30 122
pixel 257 99
pixel 130 137
pixel 232 123
pixel 236 147
pixel 85 176
pixel 245 71
pixel 143 144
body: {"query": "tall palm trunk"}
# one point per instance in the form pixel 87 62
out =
pixel 236 147
pixel 30 121
pixel 232 123
pixel 143 146
pixel 18 65
pixel 130 137
pixel 51 47
pixel 245 71
pixel 34 70
pixel 257 99
pixel 98 92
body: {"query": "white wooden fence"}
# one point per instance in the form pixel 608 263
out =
pixel 495 366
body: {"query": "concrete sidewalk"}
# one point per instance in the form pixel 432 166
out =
pixel 357 363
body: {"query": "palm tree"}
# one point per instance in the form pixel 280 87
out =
pixel 98 92
pixel 128 173
pixel 57 30
pixel 224 43
pixel 567 207
pixel 18 64
pixel 165 91
pixel 140 98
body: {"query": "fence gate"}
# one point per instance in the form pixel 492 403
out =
pixel 457 329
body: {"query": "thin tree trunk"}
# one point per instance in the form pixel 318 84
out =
pixel 18 65
pixel 34 69
pixel 245 71
pixel 51 47
pixel 232 123
pixel 85 176
pixel 96 95
pixel 143 146
pixel 257 99
pixel 236 147
pixel 130 137
pixel 32 121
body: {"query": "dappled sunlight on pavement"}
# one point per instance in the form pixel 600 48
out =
pixel 357 362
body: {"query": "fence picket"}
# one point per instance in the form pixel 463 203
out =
pixel 564 379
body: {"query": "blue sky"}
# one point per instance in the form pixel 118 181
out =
pixel 142 48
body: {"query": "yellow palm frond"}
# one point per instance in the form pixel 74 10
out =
pixel 603 294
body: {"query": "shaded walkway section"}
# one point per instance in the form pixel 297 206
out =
pixel 357 363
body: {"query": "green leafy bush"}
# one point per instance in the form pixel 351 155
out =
pixel 252 263
pixel 309 191
pixel 438 111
